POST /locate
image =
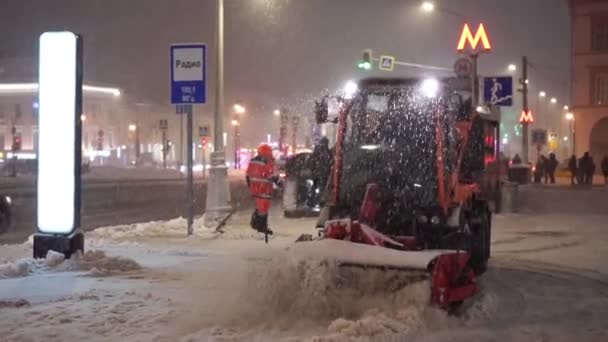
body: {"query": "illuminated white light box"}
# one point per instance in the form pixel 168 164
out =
pixel 59 156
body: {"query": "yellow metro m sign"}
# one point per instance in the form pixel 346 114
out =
pixel 473 41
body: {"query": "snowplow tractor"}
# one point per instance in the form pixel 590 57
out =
pixel 301 196
pixel 414 177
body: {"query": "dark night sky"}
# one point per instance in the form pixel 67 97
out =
pixel 287 48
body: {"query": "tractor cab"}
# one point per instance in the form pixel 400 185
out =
pixel 422 150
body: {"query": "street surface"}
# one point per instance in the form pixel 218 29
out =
pixel 547 281
pixel 112 201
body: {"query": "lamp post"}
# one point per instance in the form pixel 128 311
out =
pixel 239 109
pixel 237 162
pixel 133 129
pixel 218 193
pixel 570 117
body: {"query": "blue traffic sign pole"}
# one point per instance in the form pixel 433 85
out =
pixel 188 86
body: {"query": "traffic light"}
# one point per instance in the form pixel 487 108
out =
pixel 366 62
pixel 16 143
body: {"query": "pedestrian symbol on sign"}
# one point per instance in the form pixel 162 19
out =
pixel 387 63
pixel 498 91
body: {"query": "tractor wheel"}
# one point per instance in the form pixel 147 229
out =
pixel 480 239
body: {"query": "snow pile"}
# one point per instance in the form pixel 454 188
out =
pixel 97 262
pixel 353 302
pixel 175 228
pixel 19 268
pixel 153 229
pixel 26 266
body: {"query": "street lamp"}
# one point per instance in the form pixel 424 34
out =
pixel 542 94
pixel 427 7
pixel 570 117
pixel 566 108
pixel 277 112
pixel 553 100
pixel 237 162
pixel 132 127
pixel 512 67
pixel 239 109
pixel 350 88
pixel 83 118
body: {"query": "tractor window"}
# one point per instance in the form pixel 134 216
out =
pixel 377 103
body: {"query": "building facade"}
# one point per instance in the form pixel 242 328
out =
pixel 115 128
pixel 589 85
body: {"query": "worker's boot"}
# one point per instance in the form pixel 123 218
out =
pixel 255 223
pixel 264 225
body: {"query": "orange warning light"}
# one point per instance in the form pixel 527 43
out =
pixel 467 37
pixel 526 117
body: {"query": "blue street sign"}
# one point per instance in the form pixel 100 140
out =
pixel 498 90
pixel 188 73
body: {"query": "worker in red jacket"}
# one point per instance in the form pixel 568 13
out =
pixel 260 179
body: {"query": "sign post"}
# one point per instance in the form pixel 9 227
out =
pixel 60 148
pixel 468 42
pixel 203 133
pixel 163 126
pixel 539 138
pixel 188 86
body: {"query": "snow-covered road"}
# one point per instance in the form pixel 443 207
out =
pixel 548 281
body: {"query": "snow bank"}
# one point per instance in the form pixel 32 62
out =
pixel 97 262
pixel 153 229
pixel 175 228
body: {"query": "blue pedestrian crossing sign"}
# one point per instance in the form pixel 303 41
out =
pixel 498 90
pixel 387 63
pixel 188 73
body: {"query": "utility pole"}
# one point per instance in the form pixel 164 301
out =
pixel 218 193
pixel 294 134
pixel 524 125
pixel 475 79
pixel 181 141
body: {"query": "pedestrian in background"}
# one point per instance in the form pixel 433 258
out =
pixel 573 169
pixel 550 168
pixel 590 171
pixel 539 170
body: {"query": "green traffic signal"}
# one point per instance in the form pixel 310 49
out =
pixel 365 65
pixel 366 61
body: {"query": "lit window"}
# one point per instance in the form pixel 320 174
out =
pixel 600 88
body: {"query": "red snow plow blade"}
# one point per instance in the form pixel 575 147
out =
pixel 354 244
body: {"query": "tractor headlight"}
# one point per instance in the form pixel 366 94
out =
pixel 430 87
pixel 435 220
